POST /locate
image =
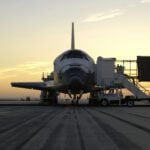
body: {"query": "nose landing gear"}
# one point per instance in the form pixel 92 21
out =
pixel 76 98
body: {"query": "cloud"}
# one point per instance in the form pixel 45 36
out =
pixel 26 66
pixel 132 5
pixel 32 68
pixel 145 1
pixel 7 76
pixel 103 16
pixel 34 65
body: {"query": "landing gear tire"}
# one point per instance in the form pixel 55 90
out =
pixel 104 102
pixel 49 98
pixel 130 103
pixel 53 100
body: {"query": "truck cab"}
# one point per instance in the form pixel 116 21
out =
pixel 111 96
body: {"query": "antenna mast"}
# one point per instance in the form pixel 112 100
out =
pixel 72 37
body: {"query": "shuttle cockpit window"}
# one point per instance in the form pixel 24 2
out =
pixel 74 54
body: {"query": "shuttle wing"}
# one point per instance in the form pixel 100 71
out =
pixel 35 85
pixel 29 85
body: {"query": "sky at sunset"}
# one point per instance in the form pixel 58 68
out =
pixel 34 32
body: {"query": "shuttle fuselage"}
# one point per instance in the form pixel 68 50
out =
pixel 74 73
pixel 75 70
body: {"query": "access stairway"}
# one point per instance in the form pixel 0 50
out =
pixel 133 86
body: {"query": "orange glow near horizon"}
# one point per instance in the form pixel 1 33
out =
pixel 33 33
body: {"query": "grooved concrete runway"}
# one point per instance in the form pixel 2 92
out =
pixel 74 128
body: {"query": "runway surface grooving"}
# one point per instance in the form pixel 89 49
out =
pixel 52 139
pixel 74 128
pixel 80 134
pixel 121 141
pixel 36 131
pixel 140 116
pixel 126 121
pixel 25 139
pixel 18 124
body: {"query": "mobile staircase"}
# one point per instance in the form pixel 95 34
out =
pixel 139 92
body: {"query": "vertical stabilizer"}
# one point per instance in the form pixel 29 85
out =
pixel 72 37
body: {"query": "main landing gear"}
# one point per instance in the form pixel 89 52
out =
pixel 49 98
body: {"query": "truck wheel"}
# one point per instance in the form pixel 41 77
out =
pixel 104 102
pixel 130 103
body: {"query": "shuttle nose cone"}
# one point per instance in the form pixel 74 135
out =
pixel 76 82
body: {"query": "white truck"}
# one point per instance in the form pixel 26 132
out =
pixel 111 96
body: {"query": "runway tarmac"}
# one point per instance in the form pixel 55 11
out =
pixel 74 128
